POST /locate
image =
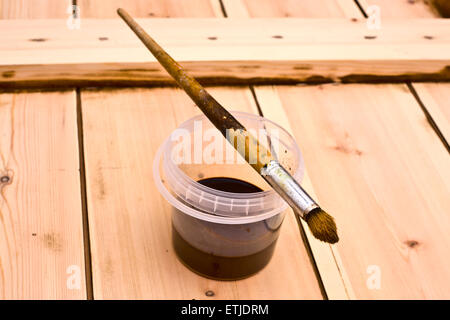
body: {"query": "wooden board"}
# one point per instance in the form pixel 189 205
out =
pixel 436 98
pixel 376 165
pixel 150 8
pixel 291 8
pixel 326 257
pixel 35 53
pixel 31 9
pixel 129 221
pixel 41 237
pixel 400 8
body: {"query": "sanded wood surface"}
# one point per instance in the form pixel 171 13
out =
pixel 291 8
pixel 41 238
pixel 400 8
pixel 36 53
pixel 32 9
pixel 327 259
pixel 436 98
pixel 377 165
pixel 129 221
pixel 151 8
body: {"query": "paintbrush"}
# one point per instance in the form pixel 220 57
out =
pixel 321 224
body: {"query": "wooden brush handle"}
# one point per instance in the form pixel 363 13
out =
pixel 217 114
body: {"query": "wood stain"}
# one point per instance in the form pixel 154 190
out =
pixel 225 251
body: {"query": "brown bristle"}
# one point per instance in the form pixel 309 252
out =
pixel 322 226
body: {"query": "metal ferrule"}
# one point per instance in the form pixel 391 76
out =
pixel 288 188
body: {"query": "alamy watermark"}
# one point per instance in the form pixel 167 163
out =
pixel 74 20
pixel 207 146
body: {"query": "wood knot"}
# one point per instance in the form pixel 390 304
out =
pixel 37 40
pixel 412 243
pixel 209 293
pixel 8 74
pixel 6 177
pixel 347 150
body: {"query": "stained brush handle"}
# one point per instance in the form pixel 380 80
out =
pixel 217 114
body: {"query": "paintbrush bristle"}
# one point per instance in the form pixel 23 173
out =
pixel 322 226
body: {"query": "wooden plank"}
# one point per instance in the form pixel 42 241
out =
pixel 436 98
pixel 291 8
pixel 132 255
pixel 41 237
pixel 150 8
pixel 35 53
pixel 378 167
pixel 31 9
pixel 326 257
pixel 400 9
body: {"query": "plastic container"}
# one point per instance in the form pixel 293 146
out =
pixel 219 234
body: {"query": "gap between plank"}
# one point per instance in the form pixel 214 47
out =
pixel 86 236
pixel 419 101
pixel 428 116
pixel 363 12
pixel 224 11
pixel 300 227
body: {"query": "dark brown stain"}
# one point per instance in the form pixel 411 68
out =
pixel 201 175
pixel 8 74
pixel 53 241
pixel 318 79
pixel 138 70
pixel 34 234
pixel 428 37
pixel 370 37
pixel 277 36
pixel 212 38
pixel 209 293
pixel 442 6
pixel 151 14
pixel 111 82
pixel 249 67
pixel 441 75
pixel 354 20
pixel 37 40
pixel 412 243
pixel 302 67
pixel 347 150
pixel 103 38
pixel 247 229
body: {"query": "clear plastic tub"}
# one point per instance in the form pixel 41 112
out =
pixel 221 234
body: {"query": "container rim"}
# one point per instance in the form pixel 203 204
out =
pixel 196 212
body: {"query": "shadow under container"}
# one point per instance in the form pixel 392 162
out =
pixel 221 234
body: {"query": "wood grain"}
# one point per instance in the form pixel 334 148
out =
pixel 401 8
pixel 31 9
pixel 34 53
pixel 436 98
pixel 151 8
pixel 41 237
pixel 376 165
pixel 130 231
pixel 292 8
